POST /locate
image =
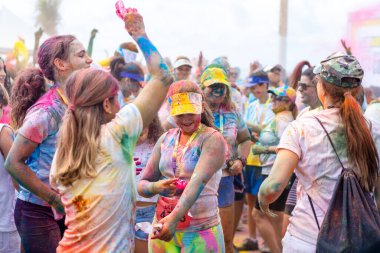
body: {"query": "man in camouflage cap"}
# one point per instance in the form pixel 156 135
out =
pixel 341 70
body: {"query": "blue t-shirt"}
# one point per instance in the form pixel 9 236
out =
pixel 41 126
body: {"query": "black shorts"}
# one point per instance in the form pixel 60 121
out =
pixel 279 204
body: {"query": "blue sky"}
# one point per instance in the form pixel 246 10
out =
pixel 242 30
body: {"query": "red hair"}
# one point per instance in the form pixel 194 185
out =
pixel 297 73
pixel 361 148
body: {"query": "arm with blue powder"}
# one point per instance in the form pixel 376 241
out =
pixel 208 164
pixel 152 96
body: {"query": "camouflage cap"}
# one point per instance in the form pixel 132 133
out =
pixel 341 70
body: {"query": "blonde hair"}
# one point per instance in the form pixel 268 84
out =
pixel 78 140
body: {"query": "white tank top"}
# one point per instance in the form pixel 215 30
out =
pixel 7 196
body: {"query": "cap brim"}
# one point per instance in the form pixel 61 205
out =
pixel 249 85
pixel 185 109
pixel 214 81
pixel 182 62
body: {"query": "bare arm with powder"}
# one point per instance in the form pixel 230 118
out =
pixel 208 164
pixel 244 144
pixel 151 97
pixel 21 149
pixel 278 179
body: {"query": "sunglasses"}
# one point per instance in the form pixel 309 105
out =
pixel 217 86
pixel 304 86
pixel 277 98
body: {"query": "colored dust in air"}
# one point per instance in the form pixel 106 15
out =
pixel 80 203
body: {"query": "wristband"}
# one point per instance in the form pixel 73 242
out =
pixel 243 160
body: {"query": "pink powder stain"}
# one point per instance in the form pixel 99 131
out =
pixel 47 99
pixel 210 239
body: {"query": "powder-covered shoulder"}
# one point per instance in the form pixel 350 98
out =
pixel 127 123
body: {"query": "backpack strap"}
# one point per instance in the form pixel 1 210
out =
pixel 312 208
pixel 332 144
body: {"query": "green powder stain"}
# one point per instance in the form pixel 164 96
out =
pixel 339 141
pixel 127 147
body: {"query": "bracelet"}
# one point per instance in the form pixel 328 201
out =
pixel 242 160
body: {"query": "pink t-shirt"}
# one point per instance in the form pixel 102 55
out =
pixel 318 168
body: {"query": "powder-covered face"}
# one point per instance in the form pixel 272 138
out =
pixel 215 93
pixel 182 72
pixel 280 104
pixel 188 123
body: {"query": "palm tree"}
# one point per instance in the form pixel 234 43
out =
pixel 48 15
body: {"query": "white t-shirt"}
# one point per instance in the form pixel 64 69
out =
pixel 308 111
pixel 7 197
pixel 100 211
pixel 318 168
pixel 257 113
pixel 373 112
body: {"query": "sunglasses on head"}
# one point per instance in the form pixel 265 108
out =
pixel 304 86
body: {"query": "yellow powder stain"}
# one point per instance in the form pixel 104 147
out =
pixel 80 203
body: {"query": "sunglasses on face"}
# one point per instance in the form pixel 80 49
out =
pixel 277 98
pixel 304 86
pixel 217 86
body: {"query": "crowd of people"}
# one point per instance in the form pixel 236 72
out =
pixel 163 157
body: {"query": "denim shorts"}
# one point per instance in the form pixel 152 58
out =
pixel 252 179
pixel 226 193
pixel 144 219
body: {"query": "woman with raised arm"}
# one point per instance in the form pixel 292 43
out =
pixel 185 170
pixel 305 148
pixel 32 152
pixel 93 169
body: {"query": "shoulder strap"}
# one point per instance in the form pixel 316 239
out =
pixel 312 208
pixel 332 144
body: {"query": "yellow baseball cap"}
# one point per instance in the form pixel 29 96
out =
pixel 214 75
pixel 184 103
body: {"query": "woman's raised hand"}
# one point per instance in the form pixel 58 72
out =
pixel 134 23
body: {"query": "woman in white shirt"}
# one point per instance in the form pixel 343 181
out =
pixel 305 148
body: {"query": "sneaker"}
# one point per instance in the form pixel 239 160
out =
pixel 249 244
